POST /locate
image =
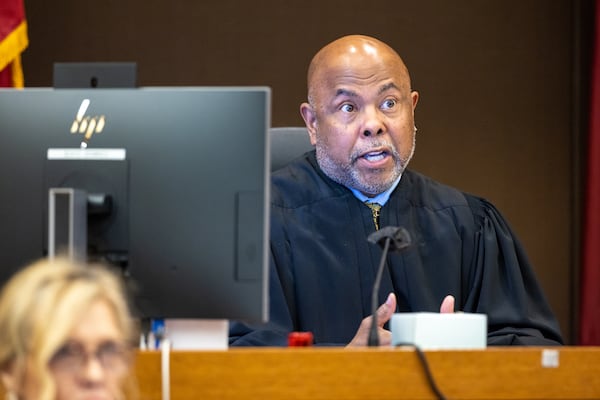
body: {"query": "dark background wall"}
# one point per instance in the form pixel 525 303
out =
pixel 498 114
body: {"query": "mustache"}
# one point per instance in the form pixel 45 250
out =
pixel 377 145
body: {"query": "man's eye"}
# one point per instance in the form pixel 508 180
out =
pixel 388 104
pixel 347 108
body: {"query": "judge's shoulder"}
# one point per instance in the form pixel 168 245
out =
pixel 426 192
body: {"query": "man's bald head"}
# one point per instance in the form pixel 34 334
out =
pixel 360 113
pixel 350 54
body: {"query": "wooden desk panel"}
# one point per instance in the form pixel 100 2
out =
pixel 336 373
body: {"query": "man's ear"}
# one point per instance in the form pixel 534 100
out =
pixel 414 95
pixel 310 119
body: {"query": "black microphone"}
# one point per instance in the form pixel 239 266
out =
pixel 390 238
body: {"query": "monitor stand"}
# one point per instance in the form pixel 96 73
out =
pixel 67 223
pixel 197 334
pixel 67 236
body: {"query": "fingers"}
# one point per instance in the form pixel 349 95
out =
pixel 384 313
pixel 386 310
pixel 361 336
pixel 385 337
pixel 447 304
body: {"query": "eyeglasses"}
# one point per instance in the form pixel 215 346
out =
pixel 73 357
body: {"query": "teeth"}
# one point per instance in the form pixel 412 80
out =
pixel 375 156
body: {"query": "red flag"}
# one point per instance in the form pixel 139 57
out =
pixel 589 332
pixel 13 41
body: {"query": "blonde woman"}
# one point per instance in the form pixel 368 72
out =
pixel 65 333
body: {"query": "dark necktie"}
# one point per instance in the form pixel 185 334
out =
pixel 375 208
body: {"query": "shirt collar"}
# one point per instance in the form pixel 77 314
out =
pixel 381 198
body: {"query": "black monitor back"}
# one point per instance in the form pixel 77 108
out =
pixel 94 75
pixel 190 195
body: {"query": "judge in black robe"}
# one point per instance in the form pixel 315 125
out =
pixel 322 268
pixel 360 117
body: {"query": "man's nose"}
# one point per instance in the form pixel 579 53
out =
pixel 372 122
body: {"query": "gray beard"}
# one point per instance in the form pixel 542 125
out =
pixel 348 175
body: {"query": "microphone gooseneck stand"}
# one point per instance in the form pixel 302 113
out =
pixel 390 238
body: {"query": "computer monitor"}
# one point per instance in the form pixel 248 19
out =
pixel 94 75
pixel 176 186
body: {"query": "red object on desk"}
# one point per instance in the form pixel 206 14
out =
pixel 300 339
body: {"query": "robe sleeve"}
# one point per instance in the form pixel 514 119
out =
pixel 273 333
pixel 504 285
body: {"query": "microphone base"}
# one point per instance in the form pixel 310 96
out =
pixel 433 331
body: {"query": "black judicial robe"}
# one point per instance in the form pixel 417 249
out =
pixel 322 268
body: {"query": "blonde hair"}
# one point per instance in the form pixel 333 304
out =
pixel 40 305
